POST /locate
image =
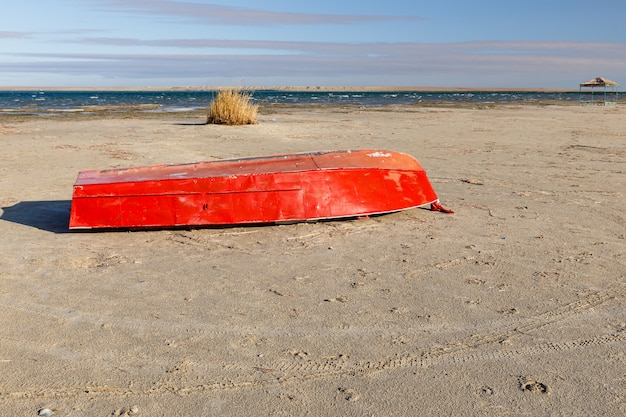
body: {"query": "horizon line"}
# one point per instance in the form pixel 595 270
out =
pixel 294 88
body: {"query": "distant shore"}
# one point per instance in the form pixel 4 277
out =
pixel 284 88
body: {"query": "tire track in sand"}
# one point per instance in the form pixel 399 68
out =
pixel 284 370
pixel 466 350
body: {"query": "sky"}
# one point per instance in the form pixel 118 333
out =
pixel 444 43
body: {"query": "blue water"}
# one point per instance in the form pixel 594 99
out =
pixel 50 100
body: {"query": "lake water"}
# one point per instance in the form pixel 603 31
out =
pixel 50 100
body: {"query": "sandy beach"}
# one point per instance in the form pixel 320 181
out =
pixel 514 305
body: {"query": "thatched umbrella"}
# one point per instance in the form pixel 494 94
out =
pixel 599 82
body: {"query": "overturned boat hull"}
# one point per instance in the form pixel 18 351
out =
pixel 268 189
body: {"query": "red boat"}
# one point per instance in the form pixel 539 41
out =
pixel 267 189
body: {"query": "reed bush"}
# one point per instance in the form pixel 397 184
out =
pixel 232 107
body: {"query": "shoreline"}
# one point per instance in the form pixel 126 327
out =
pixel 155 112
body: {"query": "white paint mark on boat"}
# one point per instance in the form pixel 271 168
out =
pixel 379 155
pixel 178 174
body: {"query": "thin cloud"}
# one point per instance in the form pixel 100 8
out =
pixel 480 48
pixel 14 35
pixel 227 15
pixel 184 66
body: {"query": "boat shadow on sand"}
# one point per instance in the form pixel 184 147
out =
pixel 51 216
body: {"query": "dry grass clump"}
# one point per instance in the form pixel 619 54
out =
pixel 232 107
